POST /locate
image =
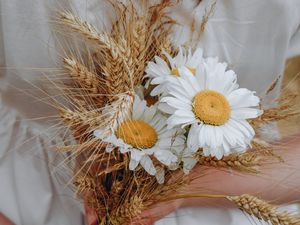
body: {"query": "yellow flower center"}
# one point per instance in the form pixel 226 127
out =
pixel 211 107
pixel 175 71
pixel 137 133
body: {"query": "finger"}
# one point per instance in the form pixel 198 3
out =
pixel 90 215
pixel 4 220
pixel 157 212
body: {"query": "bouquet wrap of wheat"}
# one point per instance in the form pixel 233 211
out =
pixel 143 113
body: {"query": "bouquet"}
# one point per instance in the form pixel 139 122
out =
pixel 143 113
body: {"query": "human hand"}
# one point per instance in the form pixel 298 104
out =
pixel 90 215
pixel 148 217
pixel 157 212
pixel 4 220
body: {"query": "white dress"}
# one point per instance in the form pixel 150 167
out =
pixel 255 37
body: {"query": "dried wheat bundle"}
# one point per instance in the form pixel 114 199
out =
pixel 141 111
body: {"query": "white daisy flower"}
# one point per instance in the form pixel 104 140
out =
pixel 217 110
pixel 161 73
pixel 145 135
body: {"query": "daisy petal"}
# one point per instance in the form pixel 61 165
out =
pixel 165 157
pixel 245 113
pixel 147 164
pixel 192 140
pixel 242 98
pixel 133 164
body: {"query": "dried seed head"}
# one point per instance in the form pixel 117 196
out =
pixel 248 162
pixel 263 210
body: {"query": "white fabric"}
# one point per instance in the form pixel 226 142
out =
pixel 254 37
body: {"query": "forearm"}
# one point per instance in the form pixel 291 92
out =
pixel 278 182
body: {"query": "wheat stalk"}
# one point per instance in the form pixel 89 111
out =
pixel 263 210
pixel 81 119
pixel 84 184
pixel 130 210
pixel 248 162
pixel 79 26
pixel 88 31
pixel 119 69
pixel 118 60
pixel 139 49
pixel 119 110
pixel 82 75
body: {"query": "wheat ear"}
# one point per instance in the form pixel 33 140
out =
pixel 86 30
pixel 263 210
pixel 130 210
pixel 80 26
pixel 82 75
pixel 78 119
pixel 120 109
pixel 248 162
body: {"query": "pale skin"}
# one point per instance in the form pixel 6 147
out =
pixel 4 220
pixel 279 184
